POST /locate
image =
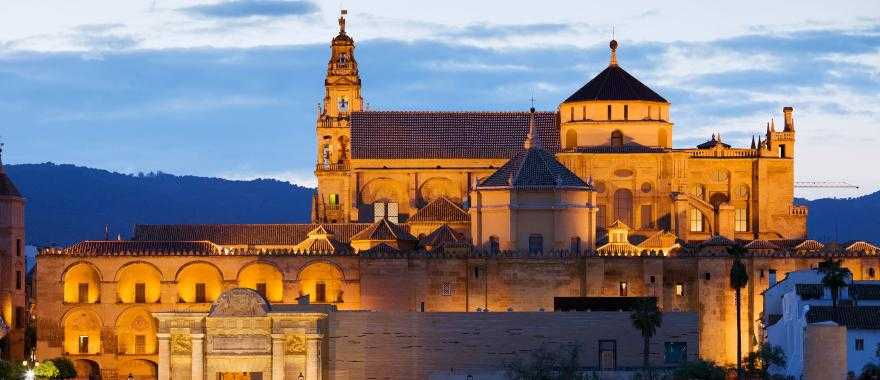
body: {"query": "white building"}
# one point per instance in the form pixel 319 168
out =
pixel 800 299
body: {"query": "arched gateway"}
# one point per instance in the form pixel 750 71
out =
pixel 242 337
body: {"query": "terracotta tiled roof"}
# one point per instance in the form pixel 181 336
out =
pixel 137 248
pixel 440 210
pixel 718 241
pixel 7 188
pixel 534 168
pixel 853 317
pixel 322 240
pixel 384 230
pixel 242 234
pixel 381 250
pixel 713 142
pixel 614 83
pixel 441 236
pixel 761 244
pixel 394 134
pixel 861 246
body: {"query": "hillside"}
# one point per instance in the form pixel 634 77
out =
pixel 67 203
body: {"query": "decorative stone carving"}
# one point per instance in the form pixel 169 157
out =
pixel 181 344
pixel 240 343
pixel 240 302
pixel 294 344
pixel 140 323
pixel 84 322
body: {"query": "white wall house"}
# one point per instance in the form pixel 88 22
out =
pixel 800 299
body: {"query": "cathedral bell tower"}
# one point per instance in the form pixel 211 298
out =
pixel 342 96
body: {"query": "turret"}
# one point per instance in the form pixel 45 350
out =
pixel 13 299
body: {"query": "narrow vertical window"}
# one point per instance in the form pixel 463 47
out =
pixel 647 217
pixel 575 244
pixel 261 289
pixel 18 247
pixel 83 344
pixel 623 289
pixel 536 243
pixel 742 219
pixel 83 293
pixel 571 113
pixel 476 272
pixel 140 292
pixel 320 292
pixel 201 294
pixel 18 279
pixel 679 290
pixel 625 112
pixel 140 344
pixel 584 111
pixel 696 220
pixel 609 112
pixel 860 344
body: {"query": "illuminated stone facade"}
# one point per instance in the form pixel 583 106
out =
pixel 13 303
pixel 422 215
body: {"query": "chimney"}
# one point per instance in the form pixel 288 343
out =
pixel 789 120
pixel 771 278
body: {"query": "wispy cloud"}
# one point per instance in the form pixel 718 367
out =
pixel 253 8
pixel 474 66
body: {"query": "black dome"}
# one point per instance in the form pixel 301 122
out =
pixel 614 83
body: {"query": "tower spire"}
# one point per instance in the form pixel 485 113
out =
pixel 613 46
pixel 753 141
pixel 532 139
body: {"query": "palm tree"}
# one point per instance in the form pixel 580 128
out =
pixel 835 277
pixel 739 278
pixel 646 317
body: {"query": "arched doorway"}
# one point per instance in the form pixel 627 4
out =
pixel 87 369
pixel 139 369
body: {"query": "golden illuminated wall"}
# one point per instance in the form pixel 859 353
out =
pixel 135 322
pixel 322 273
pixel 82 273
pixel 196 273
pixel 268 274
pixel 133 274
pixel 79 323
pixel 588 123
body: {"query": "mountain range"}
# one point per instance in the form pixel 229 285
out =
pixel 68 203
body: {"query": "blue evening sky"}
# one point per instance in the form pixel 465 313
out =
pixel 229 88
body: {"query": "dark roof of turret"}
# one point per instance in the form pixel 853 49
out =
pixel 7 188
pixel 614 83
pixel 533 168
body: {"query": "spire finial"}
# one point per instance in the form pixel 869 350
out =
pixel 342 14
pixel 753 141
pixel 613 46
pixel 532 138
pixel 2 144
pixel 772 124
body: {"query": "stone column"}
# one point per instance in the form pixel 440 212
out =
pixel 164 356
pixel 198 356
pixel 313 356
pixel 277 356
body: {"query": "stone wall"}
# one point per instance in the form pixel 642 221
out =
pixel 409 345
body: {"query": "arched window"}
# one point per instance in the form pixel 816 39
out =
pixel 536 243
pixel 571 138
pixel 343 59
pixel 623 205
pixel 616 138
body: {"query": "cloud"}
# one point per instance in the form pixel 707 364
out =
pixel 253 8
pixel 473 66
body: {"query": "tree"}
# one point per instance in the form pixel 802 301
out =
pixel 646 318
pixel 699 370
pixel 835 277
pixel 66 369
pixel 10 370
pixel 870 371
pixel 739 278
pixel 47 370
pixel 758 363
pixel 544 364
